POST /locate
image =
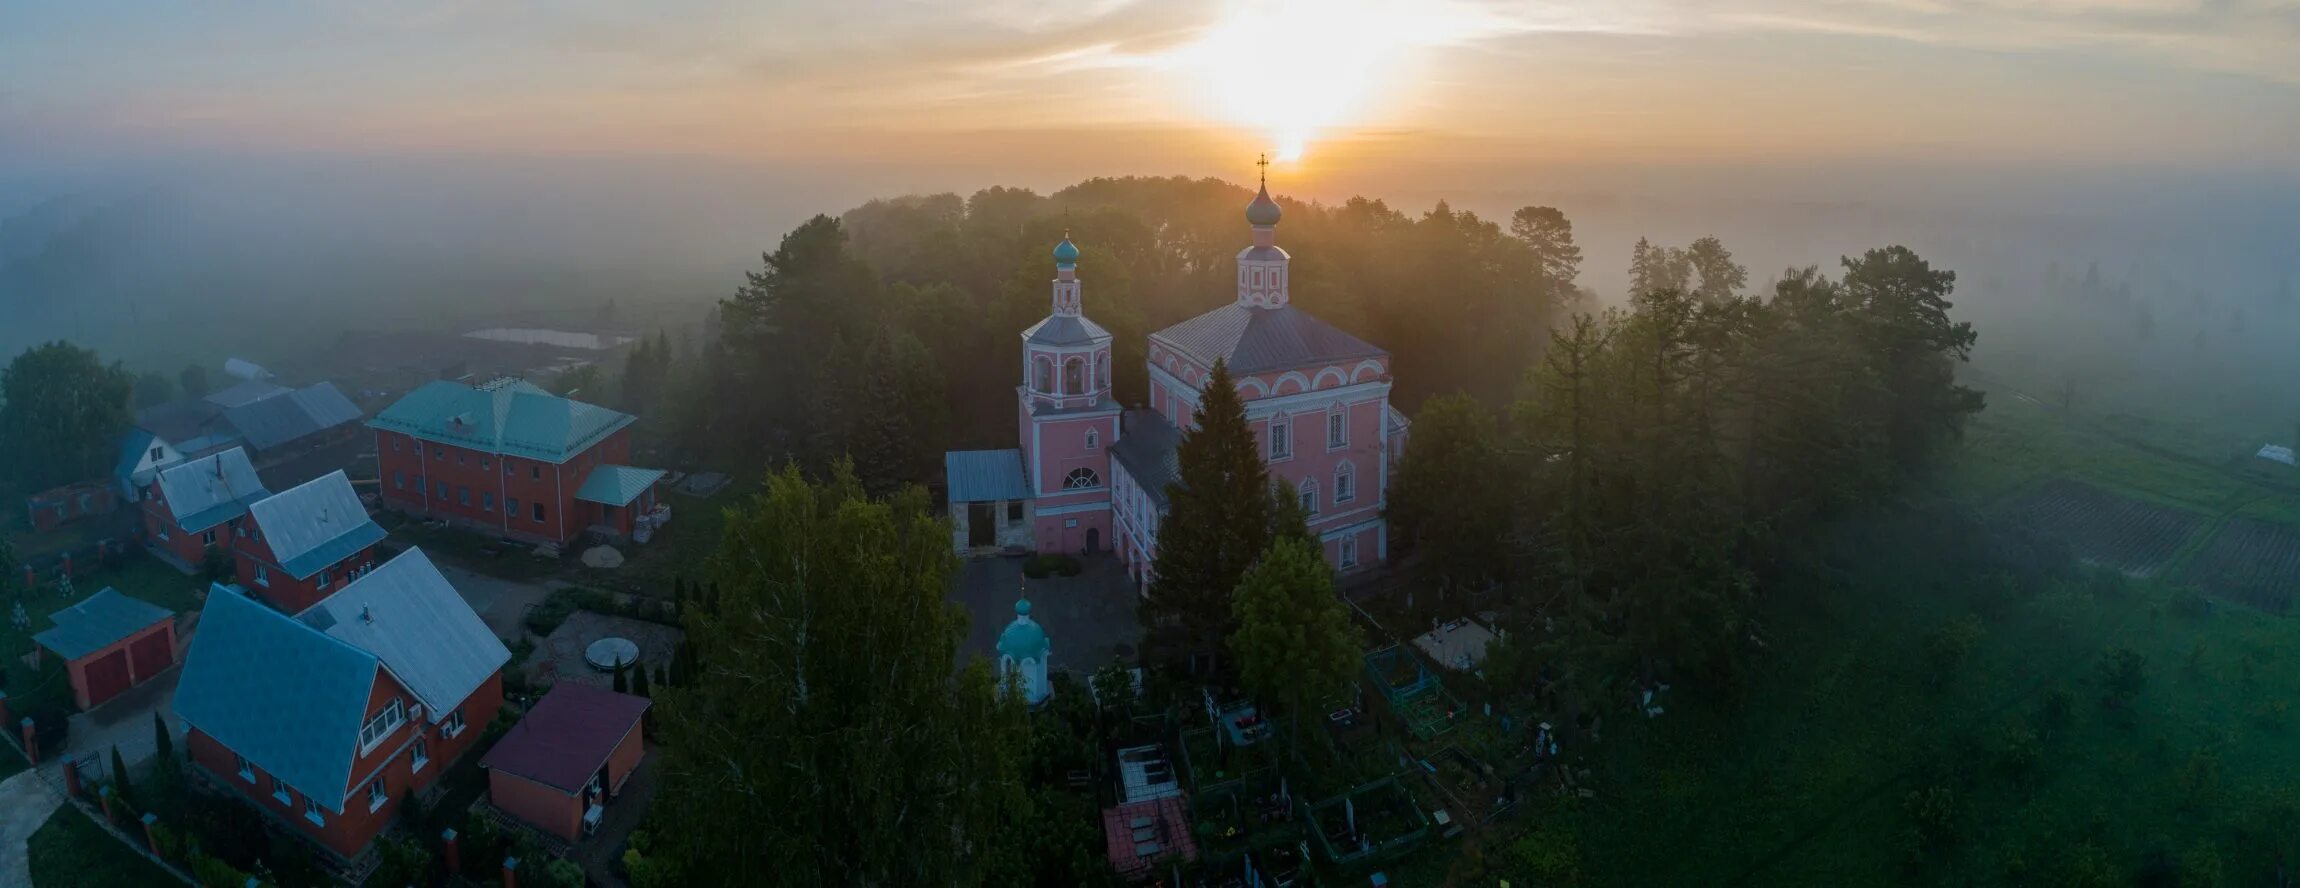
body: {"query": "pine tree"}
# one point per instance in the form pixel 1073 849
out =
pixel 622 682
pixel 662 677
pixel 639 681
pixel 1449 498
pixel 122 786
pixel 1218 522
pixel 163 745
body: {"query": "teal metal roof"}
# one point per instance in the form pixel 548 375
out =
pixel 208 491
pixel 102 620
pixel 315 524
pixel 981 476
pixel 617 485
pixel 286 698
pixel 508 416
pixel 133 446
pixel 408 615
pixel 1023 639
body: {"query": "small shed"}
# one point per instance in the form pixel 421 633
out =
pixel 989 500
pixel 571 754
pixel 111 643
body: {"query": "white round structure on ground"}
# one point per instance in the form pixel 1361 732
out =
pixel 604 557
pixel 606 652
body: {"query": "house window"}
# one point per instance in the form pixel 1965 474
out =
pixel 281 792
pixel 511 506
pixel 442 488
pixel 381 726
pixel 1345 483
pixel 1093 439
pixel 538 513
pixel 324 579
pixel 263 576
pixel 311 811
pixel 399 480
pixel 208 536
pixel 1337 430
pixel 1013 510
pixel 1081 479
pixel 486 502
pixel 247 771
pixel 155 454
pixel 376 795
pixel 508 468
pixel 1281 437
pixel 1349 552
pixel 453 725
pixel 463 496
pixel 534 473
pixel 1310 495
pixel 398 445
pixel 421 754
pixel 438 453
pixel 483 466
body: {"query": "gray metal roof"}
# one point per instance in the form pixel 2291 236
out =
pixel 1148 445
pixel 1263 254
pixel 981 476
pixel 408 615
pixel 293 416
pixel 319 517
pixel 97 622
pixel 1063 330
pixel 246 393
pixel 286 698
pixel 212 489
pixel 1258 340
pixel 177 422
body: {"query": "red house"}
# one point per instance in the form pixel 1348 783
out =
pixel 199 503
pixel 511 459
pixel 110 643
pixel 568 758
pixel 298 545
pixel 326 719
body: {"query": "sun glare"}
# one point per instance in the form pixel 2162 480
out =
pixel 1293 70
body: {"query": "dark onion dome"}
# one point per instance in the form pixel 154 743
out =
pixel 1263 211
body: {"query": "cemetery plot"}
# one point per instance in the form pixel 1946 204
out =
pixel 2103 528
pixel 2252 562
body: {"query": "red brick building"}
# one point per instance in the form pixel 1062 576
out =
pixel 570 754
pixel 510 459
pixel 297 546
pixel 200 503
pixel 110 643
pixel 326 719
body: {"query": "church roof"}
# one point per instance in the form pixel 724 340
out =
pixel 1148 447
pixel 1023 639
pixel 1064 330
pixel 1259 340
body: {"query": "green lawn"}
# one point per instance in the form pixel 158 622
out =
pixel 70 851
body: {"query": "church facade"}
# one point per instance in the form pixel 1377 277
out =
pixel 1091 475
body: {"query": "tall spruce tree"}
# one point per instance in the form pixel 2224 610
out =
pixel 1217 523
pixel 825 738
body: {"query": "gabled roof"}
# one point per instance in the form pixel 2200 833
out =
pixel 567 736
pixel 292 416
pixel 286 698
pixel 1259 340
pixel 617 485
pixel 1149 447
pixel 315 524
pixel 245 393
pixel 97 622
pixel 408 615
pixel 184 424
pixel 1063 330
pixel 981 476
pixel 133 446
pixel 210 490
pixel 507 416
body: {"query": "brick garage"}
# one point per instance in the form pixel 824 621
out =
pixel 573 750
pixel 111 643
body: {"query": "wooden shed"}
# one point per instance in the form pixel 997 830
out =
pixel 111 643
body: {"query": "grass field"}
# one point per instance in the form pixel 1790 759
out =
pixel 70 851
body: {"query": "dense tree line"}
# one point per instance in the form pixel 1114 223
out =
pixel 1624 506
pixel 62 411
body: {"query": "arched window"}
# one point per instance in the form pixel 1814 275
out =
pixel 1081 479
pixel 1337 428
pixel 1073 376
pixel 1093 439
pixel 1102 370
pixel 1345 483
pixel 1045 374
pixel 1310 495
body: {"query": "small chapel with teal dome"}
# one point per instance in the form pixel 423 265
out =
pixel 1023 649
pixel 1090 475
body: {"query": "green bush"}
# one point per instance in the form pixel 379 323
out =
pixel 1040 567
pixel 1948 646
pixel 2123 672
pixel 563 873
pixel 1933 815
pixel 2187 603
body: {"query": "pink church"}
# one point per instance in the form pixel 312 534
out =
pixel 1091 475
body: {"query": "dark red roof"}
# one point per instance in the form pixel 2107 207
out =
pixel 567 736
pixel 1165 824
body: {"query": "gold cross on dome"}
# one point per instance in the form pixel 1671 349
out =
pixel 1264 163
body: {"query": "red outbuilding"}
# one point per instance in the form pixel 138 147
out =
pixel 111 643
pixel 560 767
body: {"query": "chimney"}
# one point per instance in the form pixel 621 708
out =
pixel 365 614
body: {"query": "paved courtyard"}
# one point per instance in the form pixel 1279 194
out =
pixel 560 657
pixel 501 604
pixel 1090 618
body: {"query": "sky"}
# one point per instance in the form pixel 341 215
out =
pixel 1341 90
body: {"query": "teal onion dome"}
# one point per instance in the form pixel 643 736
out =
pixel 1065 253
pixel 1263 211
pixel 1023 639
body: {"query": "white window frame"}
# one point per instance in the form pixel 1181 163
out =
pixel 263 576
pixel 1091 475
pixel 453 725
pixel 1345 483
pixel 311 811
pixel 208 537
pixel 281 791
pixel 376 795
pixel 1281 437
pixel 1337 428
pixel 1349 552
pixel 421 753
pixel 1093 439
pixel 1309 495
pixel 246 769
pixel 380 727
